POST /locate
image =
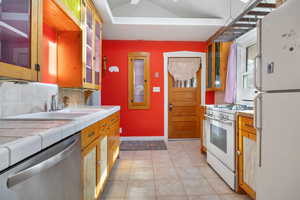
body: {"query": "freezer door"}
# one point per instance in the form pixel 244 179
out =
pixel 278 176
pixel 280 53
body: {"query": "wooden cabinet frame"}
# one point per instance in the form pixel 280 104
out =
pixel 141 56
pixel 31 74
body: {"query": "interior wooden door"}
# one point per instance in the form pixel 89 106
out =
pixel 184 108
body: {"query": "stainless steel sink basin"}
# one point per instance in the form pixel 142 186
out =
pixel 47 116
pixel 82 110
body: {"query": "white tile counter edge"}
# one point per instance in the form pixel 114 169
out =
pixel 20 149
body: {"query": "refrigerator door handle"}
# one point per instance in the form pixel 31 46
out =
pixel 258 124
pixel 257 111
pixel 257 86
pixel 258 58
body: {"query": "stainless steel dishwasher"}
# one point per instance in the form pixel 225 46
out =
pixel 53 174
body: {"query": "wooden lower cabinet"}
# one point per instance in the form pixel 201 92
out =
pixel 247 156
pixel 100 149
pixel 89 172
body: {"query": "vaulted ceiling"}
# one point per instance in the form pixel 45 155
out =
pixel 179 20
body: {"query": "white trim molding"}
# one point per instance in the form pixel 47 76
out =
pixel 150 138
pixel 179 54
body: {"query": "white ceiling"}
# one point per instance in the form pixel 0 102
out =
pixel 167 20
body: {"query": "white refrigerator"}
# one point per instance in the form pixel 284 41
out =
pixel 277 116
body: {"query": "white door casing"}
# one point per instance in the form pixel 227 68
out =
pixel 178 54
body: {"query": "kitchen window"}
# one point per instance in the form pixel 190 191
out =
pixel 247 51
pixel 138 76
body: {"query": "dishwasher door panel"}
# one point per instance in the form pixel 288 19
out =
pixel 53 174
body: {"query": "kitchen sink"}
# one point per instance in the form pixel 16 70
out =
pixel 82 110
pixel 47 116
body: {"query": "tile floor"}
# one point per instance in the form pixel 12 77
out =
pixel 179 173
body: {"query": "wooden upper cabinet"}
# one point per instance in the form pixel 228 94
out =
pixel 217 60
pixel 92 42
pixel 73 54
pixel 19 39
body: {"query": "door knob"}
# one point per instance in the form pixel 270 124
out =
pixel 170 107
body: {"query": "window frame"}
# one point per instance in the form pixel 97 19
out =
pixel 244 95
pixel 139 56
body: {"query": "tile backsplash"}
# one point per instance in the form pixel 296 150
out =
pixel 22 98
pixel 76 96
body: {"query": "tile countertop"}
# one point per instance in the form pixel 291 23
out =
pixel 21 139
pixel 246 113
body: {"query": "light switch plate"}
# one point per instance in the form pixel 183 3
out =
pixel 156 89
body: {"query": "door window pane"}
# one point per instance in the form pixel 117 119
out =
pixel 218 137
pixel 15 32
pixel 192 83
pixel 138 81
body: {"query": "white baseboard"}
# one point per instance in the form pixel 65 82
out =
pixel 153 138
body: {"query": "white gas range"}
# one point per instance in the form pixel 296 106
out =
pixel 220 139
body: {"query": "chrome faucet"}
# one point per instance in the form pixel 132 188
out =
pixel 53 103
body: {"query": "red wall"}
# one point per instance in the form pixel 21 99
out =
pixel 115 85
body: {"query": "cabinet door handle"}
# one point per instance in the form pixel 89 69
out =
pixel 91 134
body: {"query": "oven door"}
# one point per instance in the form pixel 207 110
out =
pixel 221 142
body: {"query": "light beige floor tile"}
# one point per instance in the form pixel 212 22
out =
pixel 104 198
pixel 142 164
pixel 234 197
pixel 141 189
pixel 165 173
pixel 123 164
pixel 172 198
pixel 167 163
pixel 189 172
pixel 208 172
pixel 181 162
pixel 141 174
pixel 121 174
pixel 160 155
pixel 115 189
pixel 169 187
pixel 127 155
pixel 139 198
pixel 197 187
pixel 205 197
pixel 219 186
pixel 142 155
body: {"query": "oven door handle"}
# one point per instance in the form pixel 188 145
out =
pixel 222 121
pixel 42 166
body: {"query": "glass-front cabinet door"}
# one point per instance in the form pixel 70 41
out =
pixel 209 80
pixel 19 39
pixel 89 45
pixel 217 78
pixel 97 52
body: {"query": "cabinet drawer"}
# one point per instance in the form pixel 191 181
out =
pixel 246 124
pixel 88 135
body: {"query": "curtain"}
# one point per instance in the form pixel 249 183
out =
pixel 231 80
pixel 184 69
